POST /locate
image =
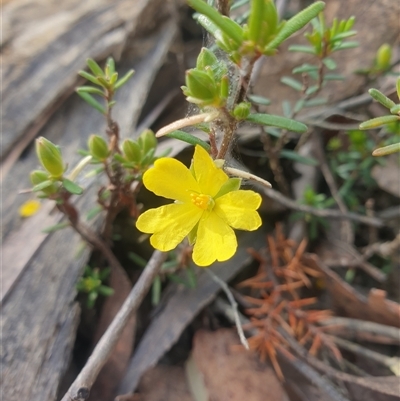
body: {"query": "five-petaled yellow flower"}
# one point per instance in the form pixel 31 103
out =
pixel 208 204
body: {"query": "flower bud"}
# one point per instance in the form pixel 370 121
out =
pixel 98 147
pixel 39 176
pixel 50 157
pixel 383 57
pixel 200 85
pixel 242 110
pixel 131 151
pixel 148 141
pixel 205 59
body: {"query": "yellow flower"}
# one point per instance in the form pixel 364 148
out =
pixel 208 204
pixel 29 208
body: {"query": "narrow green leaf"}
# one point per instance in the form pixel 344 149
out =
pixel 226 25
pixel 304 68
pixel 346 45
pixel 312 89
pixel 124 79
pixel 329 63
pixel 395 109
pixel 94 212
pixel 95 68
pixel 301 49
pixel 71 187
pixel 343 35
pixel 110 65
pixel 298 106
pixel 255 20
pixel 378 122
pixel 92 101
pixel 318 101
pixel 105 291
pixel 287 108
pixel 398 87
pixel 90 89
pixel 55 227
pixel 382 99
pixel 156 291
pixel 263 101
pixel 185 137
pixel 277 121
pixel 293 83
pixel 296 23
pixel 42 185
pixel 291 155
pixel 141 262
pixel 387 150
pixel 89 77
pixel 334 77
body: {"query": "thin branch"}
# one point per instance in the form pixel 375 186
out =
pixel 291 204
pixel 80 388
pixel 362 330
pixel 234 306
pixel 392 363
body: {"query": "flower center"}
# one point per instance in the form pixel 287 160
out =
pixel 202 201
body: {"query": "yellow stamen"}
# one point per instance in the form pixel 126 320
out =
pixel 202 201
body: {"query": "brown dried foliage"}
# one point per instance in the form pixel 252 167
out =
pixel 278 304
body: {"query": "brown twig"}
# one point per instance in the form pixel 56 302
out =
pixel 291 204
pixel 80 388
pixel 362 330
pixel 393 363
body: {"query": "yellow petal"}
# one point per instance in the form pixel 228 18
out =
pixel 238 209
pixel 215 241
pixel 29 208
pixel 169 224
pixel 209 177
pixel 171 179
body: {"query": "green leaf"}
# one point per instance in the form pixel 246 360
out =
pixel 318 101
pixel 92 101
pixel 226 25
pixel 90 89
pixel 42 185
pixel 295 23
pixel 291 155
pixel 110 66
pixel 304 68
pixel 293 83
pixel 302 49
pixel 71 187
pixel 277 121
pixel 346 45
pixel 105 291
pixel 232 184
pixel 95 68
pixel 395 109
pixel 55 227
pixel 141 262
pixel 94 212
pixel 334 77
pixel 263 101
pixel 343 35
pixel 185 137
pixel 382 99
pixel 89 77
pixel 378 122
pixel 122 81
pixel 298 106
pixel 156 291
pixel 387 150
pixel 329 63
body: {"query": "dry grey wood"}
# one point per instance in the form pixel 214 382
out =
pixel 34 85
pixel 180 309
pixel 39 316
